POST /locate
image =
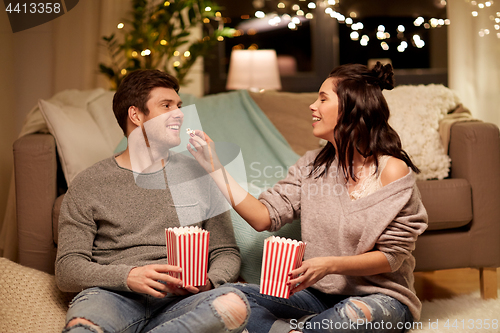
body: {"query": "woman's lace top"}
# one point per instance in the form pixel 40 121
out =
pixel 371 182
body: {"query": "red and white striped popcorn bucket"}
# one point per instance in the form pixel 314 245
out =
pixel 280 257
pixel 187 247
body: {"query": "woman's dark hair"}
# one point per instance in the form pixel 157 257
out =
pixel 135 89
pixel 362 122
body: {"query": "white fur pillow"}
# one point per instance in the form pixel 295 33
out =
pixel 415 115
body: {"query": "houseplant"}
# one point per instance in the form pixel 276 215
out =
pixel 160 35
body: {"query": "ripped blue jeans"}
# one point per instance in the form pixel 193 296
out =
pixel 313 311
pixel 117 311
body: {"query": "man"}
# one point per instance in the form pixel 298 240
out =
pixel 112 232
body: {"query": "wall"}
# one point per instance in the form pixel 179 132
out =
pixel 7 114
pixel 474 61
pixel 438 39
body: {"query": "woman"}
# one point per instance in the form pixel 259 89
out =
pixel 360 214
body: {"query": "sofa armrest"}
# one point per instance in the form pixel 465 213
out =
pixel 475 156
pixel 35 166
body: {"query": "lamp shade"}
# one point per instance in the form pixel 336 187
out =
pixel 254 70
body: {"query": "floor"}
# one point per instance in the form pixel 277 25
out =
pixel 447 283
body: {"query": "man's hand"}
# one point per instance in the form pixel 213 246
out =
pixel 145 280
pixel 195 290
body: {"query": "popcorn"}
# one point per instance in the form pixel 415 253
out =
pixel 280 257
pixel 187 247
pixel 190 131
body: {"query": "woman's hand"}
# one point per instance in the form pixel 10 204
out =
pixel 311 271
pixel 251 209
pixel 314 269
pixel 204 151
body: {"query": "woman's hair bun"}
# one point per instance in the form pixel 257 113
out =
pixel 384 75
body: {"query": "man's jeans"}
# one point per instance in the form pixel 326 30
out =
pixel 313 311
pixel 116 311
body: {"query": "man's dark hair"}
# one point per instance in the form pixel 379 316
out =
pixel 135 89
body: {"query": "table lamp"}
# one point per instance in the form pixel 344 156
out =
pixel 255 70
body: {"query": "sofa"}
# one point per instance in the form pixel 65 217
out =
pixel 463 207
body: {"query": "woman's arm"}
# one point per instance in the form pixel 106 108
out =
pixel 248 207
pixel 254 212
pixel 313 270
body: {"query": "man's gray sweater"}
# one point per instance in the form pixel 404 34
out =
pixel 111 222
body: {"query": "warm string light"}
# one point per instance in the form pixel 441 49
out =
pixel 381 34
pixel 163 42
pixel 484 8
pixel 295 14
pixel 147 52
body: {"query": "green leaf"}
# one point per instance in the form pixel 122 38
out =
pixel 183 34
pixel 108 39
pixel 110 73
pixel 182 42
pixel 192 16
pixel 225 32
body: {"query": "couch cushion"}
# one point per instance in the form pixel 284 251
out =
pixel 415 114
pixel 448 202
pixel 56 210
pixel 84 126
pixel 291 115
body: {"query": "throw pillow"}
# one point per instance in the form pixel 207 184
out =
pixel 85 128
pixel 415 115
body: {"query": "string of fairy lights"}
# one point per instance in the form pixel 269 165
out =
pixel 293 15
pixel 305 9
pixel 481 8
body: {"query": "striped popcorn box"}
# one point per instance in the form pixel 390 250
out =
pixel 187 247
pixel 280 257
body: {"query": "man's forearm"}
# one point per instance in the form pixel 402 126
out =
pixel 76 274
pixel 224 267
